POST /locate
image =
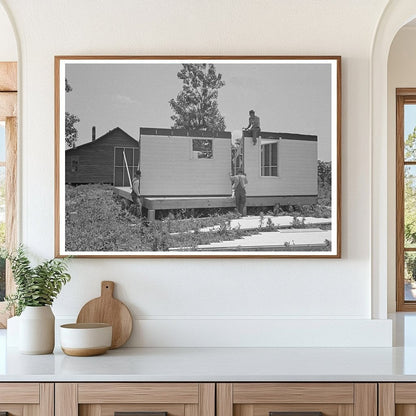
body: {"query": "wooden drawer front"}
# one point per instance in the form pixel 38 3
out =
pixel 293 393
pixel 397 399
pixel 111 409
pixel 331 399
pixel 405 393
pixel 105 399
pixel 138 393
pixel 27 399
pixel 295 408
pixel 19 393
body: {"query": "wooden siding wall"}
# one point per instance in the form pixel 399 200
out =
pixel 297 169
pixel 168 168
pixel 96 160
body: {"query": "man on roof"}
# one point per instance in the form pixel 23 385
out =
pixel 253 125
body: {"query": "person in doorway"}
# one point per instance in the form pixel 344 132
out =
pixel 239 183
pixel 253 125
pixel 135 192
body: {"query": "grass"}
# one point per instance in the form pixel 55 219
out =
pixel 95 220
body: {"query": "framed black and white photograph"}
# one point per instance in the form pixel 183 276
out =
pixel 198 156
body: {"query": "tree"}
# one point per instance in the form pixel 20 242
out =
pixel 409 206
pixel 71 133
pixel 196 106
pixel 410 190
pixel 324 182
pixel 410 146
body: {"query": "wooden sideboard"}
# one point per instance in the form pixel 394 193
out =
pixel 208 399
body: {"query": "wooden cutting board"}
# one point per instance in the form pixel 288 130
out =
pixel 107 309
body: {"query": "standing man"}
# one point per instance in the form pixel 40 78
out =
pixel 135 192
pixel 254 125
pixel 239 183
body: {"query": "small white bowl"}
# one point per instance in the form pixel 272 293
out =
pixel 83 340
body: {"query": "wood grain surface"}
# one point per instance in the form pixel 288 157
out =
pixel 252 393
pixel 386 399
pixel 365 399
pixel 110 393
pixel 8 76
pixel 107 309
pixel 8 105
pixel 22 393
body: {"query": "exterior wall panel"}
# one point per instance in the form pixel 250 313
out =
pixel 297 169
pixel 168 168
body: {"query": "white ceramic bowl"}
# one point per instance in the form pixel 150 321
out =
pixel 84 340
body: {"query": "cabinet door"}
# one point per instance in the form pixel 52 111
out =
pixel 26 399
pixel 397 399
pixel 141 399
pixel 297 399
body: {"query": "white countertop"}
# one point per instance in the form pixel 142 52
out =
pixel 222 364
pixel 215 364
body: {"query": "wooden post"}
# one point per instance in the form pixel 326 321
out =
pixel 151 214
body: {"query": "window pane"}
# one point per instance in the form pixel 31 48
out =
pixel 274 154
pixel 202 148
pixel 267 155
pixel 74 164
pixel 129 156
pixel 269 159
pixel 410 132
pixel 409 276
pixel 410 206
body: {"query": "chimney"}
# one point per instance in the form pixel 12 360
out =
pixel 93 133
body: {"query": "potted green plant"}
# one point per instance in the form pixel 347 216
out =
pixel 36 289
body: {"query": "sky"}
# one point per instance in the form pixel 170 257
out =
pixel 289 98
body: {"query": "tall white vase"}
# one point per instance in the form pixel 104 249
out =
pixel 37 330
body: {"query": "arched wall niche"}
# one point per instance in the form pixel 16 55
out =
pixel 396 15
pixel 9 50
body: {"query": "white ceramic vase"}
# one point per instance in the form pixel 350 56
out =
pixel 37 330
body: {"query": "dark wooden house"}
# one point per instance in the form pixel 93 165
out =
pixel 103 160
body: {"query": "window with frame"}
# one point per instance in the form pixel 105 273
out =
pixel 406 199
pixel 126 162
pixel 202 149
pixel 74 164
pixel 269 156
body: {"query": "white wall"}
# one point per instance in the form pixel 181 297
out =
pixel 401 74
pixel 8 46
pixel 244 302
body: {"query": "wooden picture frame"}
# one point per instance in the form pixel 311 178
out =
pixel 152 160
